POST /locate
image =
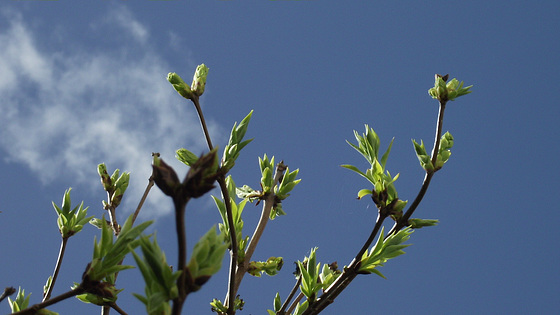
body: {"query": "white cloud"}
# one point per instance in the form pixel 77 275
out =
pixel 121 17
pixel 66 110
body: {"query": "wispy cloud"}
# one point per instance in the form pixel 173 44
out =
pixel 121 17
pixel 66 110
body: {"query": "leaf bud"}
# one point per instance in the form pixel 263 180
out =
pixel 179 85
pixel 165 177
pixel 199 79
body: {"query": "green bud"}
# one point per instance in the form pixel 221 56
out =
pixel 100 293
pixel 453 84
pixel 420 223
pixel 156 160
pixel 186 156
pixel 105 178
pixel 66 201
pixel 199 79
pixel 277 303
pixel 115 175
pixel 447 91
pixel 45 311
pixel 122 181
pixel 423 156
pixel 179 85
pixel 446 143
pixel 206 258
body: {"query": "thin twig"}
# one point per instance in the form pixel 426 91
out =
pixel 290 297
pixel 269 201
pixel 34 308
pixel 202 122
pixel 230 299
pixel 112 216
pixel 296 301
pixel 144 196
pixel 7 292
pixel 118 309
pixel 56 268
pixel 234 250
pixel 429 174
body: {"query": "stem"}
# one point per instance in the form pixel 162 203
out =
pixel 33 309
pixel 233 253
pixel 144 196
pixel 56 268
pixel 296 301
pixel 290 297
pixel 429 174
pixel 7 292
pixel 202 122
pixel 112 216
pixel 265 215
pixel 230 299
pixel 118 309
pixel 180 205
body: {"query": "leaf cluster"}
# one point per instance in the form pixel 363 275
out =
pixel 107 254
pixel 384 193
pixel 161 286
pixel 384 250
pixel 206 259
pixel 115 185
pixel 71 221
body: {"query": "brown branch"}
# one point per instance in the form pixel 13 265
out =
pixel 33 309
pixel 56 268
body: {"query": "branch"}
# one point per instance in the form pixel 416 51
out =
pixel 180 205
pixel 269 201
pixel 429 174
pixel 351 272
pixel 7 292
pixel 56 268
pixel 290 297
pixel 118 309
pixel 223 187
pixel 33 309
pixel 144 196
pixel 112 216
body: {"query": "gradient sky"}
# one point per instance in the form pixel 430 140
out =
pixel 84 82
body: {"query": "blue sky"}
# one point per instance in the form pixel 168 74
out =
pixel 83 82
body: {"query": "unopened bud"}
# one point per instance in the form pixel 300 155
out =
pixel 179 85
pixel 199 79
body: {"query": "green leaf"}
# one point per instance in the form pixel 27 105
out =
pixel 277 303
pixel 186 156
pixel 234 146
pixel 364 192
pixel 384 250
pixel 206 258
pixel 420 223
pixel 386 154
pixel 107 255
